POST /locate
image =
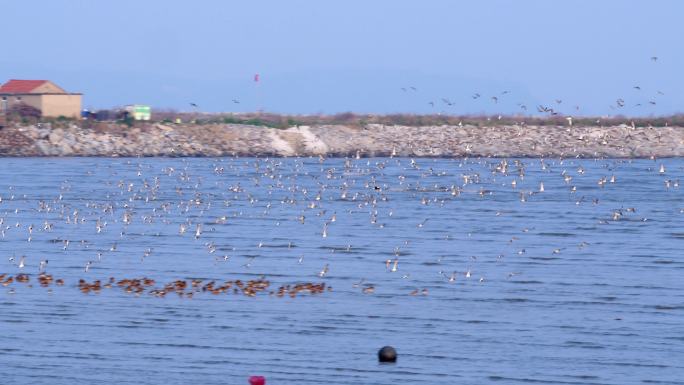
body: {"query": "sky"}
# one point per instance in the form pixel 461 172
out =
pixel 575 56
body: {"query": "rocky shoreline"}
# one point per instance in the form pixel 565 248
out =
pixel 112 140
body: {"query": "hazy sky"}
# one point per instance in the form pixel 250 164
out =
pixel 334 56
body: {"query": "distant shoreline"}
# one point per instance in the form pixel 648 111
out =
pixel 102 139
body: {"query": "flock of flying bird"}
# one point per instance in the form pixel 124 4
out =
pixel 264 186
pixel 550 109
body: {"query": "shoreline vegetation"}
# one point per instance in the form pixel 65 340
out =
pixel 346 135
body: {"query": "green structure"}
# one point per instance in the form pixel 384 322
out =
pixel 139 112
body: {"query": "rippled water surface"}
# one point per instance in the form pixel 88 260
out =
pixel 472 280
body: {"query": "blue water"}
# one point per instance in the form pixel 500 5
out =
pixel 565 287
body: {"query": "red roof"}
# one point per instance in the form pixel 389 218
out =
pixel 20 86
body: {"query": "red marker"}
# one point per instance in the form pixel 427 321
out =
pixel 257 380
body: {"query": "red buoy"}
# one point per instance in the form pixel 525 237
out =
pixel 257 380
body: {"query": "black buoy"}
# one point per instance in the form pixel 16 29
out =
pixel 387 354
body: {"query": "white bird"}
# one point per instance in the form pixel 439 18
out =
pixel 323 271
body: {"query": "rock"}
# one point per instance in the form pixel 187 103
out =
pixel 65 149
pixel 43 147
pixel 56 136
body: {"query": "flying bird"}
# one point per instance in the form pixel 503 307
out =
pixel 541 108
